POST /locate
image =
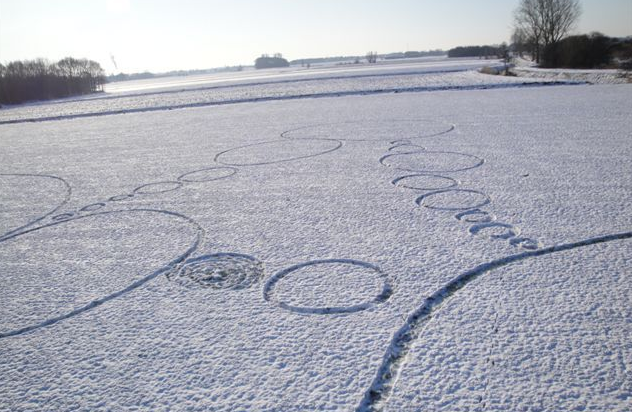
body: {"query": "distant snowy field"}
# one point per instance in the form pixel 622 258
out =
pixel 415 243
pixel 265 85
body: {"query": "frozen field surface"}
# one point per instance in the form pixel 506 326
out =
pixel 439 251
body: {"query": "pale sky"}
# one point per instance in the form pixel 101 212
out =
pixel 161 35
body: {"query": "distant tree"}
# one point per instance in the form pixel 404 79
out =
pixel 267 62
pixel 371 57
pixel 93 74
pixel 622 53
pixel 520 42
pixel 22 81
pixel 2 85
pixel 545 22
pixel 503 53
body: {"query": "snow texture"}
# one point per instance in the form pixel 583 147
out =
pixel 439 251
pixel 595 76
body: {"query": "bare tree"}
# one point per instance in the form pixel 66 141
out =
pixel 520 41
pixel 545 22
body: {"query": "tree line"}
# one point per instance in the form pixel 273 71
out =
pixel 541 29
pixel 588 51
pixel 39 79
pixel 476 51
pixel 413 54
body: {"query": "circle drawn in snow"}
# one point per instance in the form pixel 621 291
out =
pixel 406 148
pixel 507 231
pixel 432 161
pixel 62 216
pixel 372 130
pixel 425 182
pixel 220 271
pixel 208 174
pixel 526 243
pixel 271 286
pixel 400 142
pixel 449 199
pixel 276 151
pixel 475 216
pixel 41 292
pixel 157 187
pixel 119 198
pixel 93 207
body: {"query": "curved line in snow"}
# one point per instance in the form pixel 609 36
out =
pixel 394 359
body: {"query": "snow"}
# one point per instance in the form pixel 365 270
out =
pixel 164 94
pixel 601 76
pixel 528 69
pixel 316 71
pixel 434 250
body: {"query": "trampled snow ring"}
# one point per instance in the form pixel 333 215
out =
pixel 92 207
pixel 421 161
pixel 119 198
pixel 57 207
pixel 220 271
pixel 166 268
pixel 475 216
pixel 158 187
pixel 510 230
pixel 423 199
pixel 383 130
pixel 526 243
pixel 385 293
pixel 406 148
pixel 62 216
pixel 400 142
pixel 402 181
pixel 208 174
pixel 271 157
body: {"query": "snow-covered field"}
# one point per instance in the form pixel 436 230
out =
pixel 526 68
pixel 459 250
pixel 601 76
pixel 269 85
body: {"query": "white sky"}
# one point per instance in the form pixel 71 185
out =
pixel 161 35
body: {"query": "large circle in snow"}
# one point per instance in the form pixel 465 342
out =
pixel 432 161
pixel 425 182
pixel 371 130
pixel 52 272
pixel 208 174
pixel 276 151
pixel 453 199
pixel 26 199
pixel 328 286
